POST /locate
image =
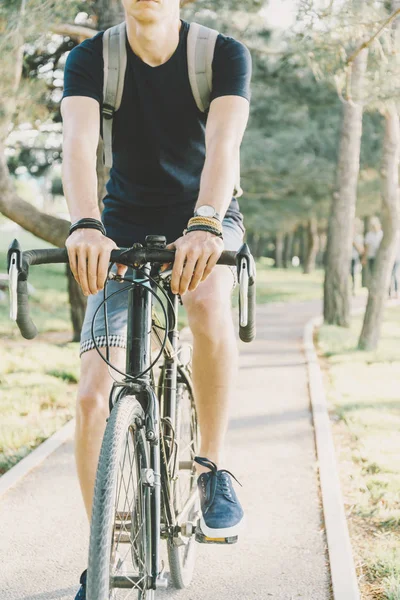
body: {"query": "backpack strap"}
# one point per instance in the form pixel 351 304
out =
pixel 114 56
pixel 200 50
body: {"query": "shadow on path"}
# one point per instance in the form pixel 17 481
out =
pixel 269 419
pixel 53 595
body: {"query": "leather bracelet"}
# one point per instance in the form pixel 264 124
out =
pixel 203 228
pixel 88 223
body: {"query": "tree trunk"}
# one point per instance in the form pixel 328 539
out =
pixel 296 250
pixel 322 249
pixel 77 305
pixel 303 244
pixel 49 228
pixel 340 231
pixel 365 269
pixel 380 278
pixel 46 227
pixel 312 246
pixel 288 250
pixel 102 175
pixel 279 251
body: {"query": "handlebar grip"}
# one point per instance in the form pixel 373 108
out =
pixel 248 333
pixel 24 321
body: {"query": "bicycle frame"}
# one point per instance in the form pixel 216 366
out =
pixel 138 359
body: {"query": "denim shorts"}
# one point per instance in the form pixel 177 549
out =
pixel 117 306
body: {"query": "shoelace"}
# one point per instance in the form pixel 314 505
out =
pixel 223 482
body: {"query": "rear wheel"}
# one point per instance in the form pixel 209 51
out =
pixel 120 537
pixel 182 549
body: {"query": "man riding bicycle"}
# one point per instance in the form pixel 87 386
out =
pixel 173 174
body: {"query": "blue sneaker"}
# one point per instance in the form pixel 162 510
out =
pixel 81 595
pixel 222 515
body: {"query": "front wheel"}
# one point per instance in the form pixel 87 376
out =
pixel 182 550
pixel 120 535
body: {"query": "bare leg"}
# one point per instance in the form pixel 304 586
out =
pixel 215 358
pixel 91 414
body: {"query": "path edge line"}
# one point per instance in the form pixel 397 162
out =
pixel 343 573
pixel 36 457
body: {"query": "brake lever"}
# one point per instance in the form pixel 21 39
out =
pixel 243 291
pixel 14 269
pixel 12 285
pixel 246 275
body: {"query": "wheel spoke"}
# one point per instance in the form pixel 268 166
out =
pixel 181 558
pixel 129 530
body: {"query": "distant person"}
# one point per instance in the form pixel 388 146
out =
pixel 395 283
pixel 371 243
pixel 357 252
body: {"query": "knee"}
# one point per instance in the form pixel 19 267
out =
pixel 207 315
pixel 91 404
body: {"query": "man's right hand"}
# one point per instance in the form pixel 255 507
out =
pixel 89 257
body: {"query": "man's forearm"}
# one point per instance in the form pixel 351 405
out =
pixel 80 181
pixel 218 177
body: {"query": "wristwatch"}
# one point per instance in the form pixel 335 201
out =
pixel 206 210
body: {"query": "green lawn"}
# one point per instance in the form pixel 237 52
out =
pixel 49 307
pixel 284 285
pixel 364 394
pixel 38 378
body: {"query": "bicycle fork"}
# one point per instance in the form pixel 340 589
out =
pixel 138 360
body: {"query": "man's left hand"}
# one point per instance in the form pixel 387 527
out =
pixel 196 255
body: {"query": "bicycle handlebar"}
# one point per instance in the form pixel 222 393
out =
pixel 19 263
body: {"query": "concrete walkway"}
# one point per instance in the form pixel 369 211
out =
pixel 282 554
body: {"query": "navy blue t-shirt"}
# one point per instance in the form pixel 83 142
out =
pixel 158 134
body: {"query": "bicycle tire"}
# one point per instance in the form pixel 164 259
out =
pixel 123 427
pixel 182 558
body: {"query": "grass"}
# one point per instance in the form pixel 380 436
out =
pixel 285 285
pixel 38 378
pixel 364 395
pixel 49 307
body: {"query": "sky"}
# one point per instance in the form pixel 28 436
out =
pixel 280 13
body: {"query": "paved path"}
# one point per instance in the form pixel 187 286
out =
pixel 43 532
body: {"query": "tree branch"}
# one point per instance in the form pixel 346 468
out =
pixel 364 45
pixel 74 31
pixel 49 228
pixel 367 43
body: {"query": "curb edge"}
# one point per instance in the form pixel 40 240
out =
pixel 343 573
pixel 36 457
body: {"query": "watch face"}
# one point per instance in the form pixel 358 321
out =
pixel 206 211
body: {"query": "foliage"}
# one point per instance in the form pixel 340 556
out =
pixel 25 26
pixel 363 392
pixel 290 147
pixel 330 38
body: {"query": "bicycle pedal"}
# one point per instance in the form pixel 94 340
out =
pixel 203 539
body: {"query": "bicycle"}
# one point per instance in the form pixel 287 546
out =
pixel 146 488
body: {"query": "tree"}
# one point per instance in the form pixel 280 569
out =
pixel 340 231
pixel 380 278
pixel 17 30
pixel 336 43
pixel 14 101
